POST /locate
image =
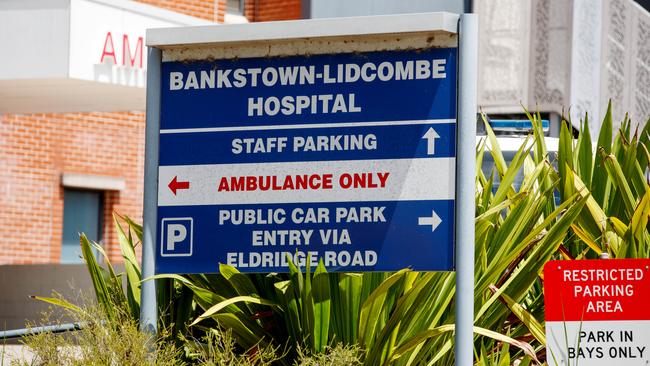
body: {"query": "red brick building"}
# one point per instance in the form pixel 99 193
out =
pixel 64 167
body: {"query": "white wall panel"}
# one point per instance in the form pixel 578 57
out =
pixel 34 38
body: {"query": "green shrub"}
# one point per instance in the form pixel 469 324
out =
pixel 101 341
pixel 218 348
pixel 339 355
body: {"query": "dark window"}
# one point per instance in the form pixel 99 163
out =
pixel 82 213
pixel 235 6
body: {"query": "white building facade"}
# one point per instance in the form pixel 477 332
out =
pixel 553 56
pixel 565 57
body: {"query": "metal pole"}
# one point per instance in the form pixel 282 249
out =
pixel 59 328
pixel 148 308
pixel 466 176
pixel 467 4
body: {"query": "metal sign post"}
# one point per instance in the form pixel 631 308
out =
pixel 148 307
pixel 466 177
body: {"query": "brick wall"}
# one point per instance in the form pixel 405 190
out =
pixel 220 11
pixel 270 10
pixel 36 149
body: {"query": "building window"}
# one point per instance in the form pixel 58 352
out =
pixel 235 6
pixel 82 213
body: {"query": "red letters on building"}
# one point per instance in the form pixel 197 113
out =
pixel 105 51
pixel 126 50
pixel 128 59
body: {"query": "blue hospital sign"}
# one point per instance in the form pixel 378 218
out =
pixel 348 158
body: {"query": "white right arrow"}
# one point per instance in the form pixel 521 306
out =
pixel 434 220
pixel 431 137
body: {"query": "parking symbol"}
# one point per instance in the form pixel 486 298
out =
pixel 176 237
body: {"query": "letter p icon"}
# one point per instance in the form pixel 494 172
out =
pixel 176 237
pixel 175 233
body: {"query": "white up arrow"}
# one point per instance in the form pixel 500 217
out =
pixel 431 137
pixel 434 220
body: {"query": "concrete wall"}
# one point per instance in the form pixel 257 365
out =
pixel 18 282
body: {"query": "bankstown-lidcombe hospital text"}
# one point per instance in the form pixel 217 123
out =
pixel 306 75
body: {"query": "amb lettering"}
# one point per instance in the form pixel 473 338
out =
pixel 128 58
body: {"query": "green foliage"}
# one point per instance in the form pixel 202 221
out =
pixel 101 341
pixel 613 177
pixel 219 349
pixel 339 355
pixel 118 294
pixel 108 284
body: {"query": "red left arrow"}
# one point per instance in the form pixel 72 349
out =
pixel 175 185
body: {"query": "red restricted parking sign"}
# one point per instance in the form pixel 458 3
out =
pixel 597 311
